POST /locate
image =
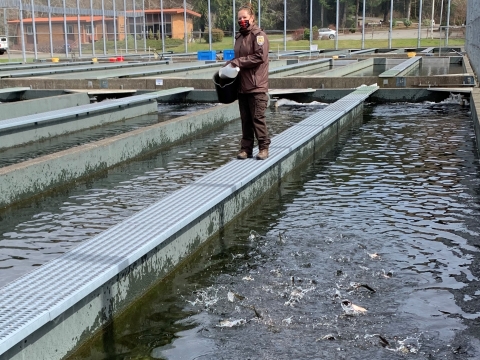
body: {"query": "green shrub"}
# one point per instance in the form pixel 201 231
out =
pixel 407 23
pixel 315 35
pixel 352 30
pixel 217 35
pixel 306 34
pixel 394 23
pixel 427 22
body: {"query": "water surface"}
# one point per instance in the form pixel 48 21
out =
pixel 386 219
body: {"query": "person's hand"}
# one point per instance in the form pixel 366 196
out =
pixel 232 63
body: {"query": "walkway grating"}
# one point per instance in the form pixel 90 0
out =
pixel 402 67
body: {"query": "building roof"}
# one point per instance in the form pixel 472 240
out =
pixel 99 18
pixel 172 11
pixel 41 20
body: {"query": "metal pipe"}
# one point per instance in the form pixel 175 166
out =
pixel 441 15
pixel 363 25
pixel 134 26
pixel 259 14
pixel 22 32
pixel 65 28
pixel 432 20
pixel 185 40
pixel 285 25
pixel 234 22
pixel 34 28
pixel 79 43
pixel 104 33
pixel 448 23
pixel 5 24
pixel 115 18
pixel 92 30
pixel 390 34
pixel 144 28
pixel 209 28
pixel 311 32
pixel 336 25
pixel 163 26
pixel 125 25
pixel 419 24
pixel 50 28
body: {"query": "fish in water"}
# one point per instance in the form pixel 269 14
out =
pixel 351 309
pixel 228 323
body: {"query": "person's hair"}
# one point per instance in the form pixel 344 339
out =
pixel 249 8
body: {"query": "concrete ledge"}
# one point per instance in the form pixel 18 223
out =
pixel 200 84
pixel 29 178
pixel 30 107
pixel 53 309
pixel 475 109
pixel 30 128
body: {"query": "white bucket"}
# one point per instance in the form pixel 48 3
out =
pixel 228 71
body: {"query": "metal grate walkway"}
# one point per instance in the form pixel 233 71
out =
pixel 402 67
pixel 42 295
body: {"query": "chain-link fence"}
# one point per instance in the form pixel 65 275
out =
pixel 472 40
pixel 39 29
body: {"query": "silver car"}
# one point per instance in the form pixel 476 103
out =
pixel 327 32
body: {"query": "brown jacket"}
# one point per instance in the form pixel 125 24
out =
pixel 251 56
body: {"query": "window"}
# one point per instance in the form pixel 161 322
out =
pixel 29 30
pixel 88 29
pixel 69 29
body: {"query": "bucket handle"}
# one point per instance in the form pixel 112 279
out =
pixel 233 80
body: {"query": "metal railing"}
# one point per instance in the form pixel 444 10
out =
pixel 472 40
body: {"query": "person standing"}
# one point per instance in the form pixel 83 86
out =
pixel 251 56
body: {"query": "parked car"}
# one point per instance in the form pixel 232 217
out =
pixel 3 44
pixel 327 32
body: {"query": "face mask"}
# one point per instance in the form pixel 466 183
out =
pixel 244 24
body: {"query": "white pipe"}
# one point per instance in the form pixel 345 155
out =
pixel 448 23
pixel 185 24
pixel 363 25
pixel 390 34
pixel 234 22
pixel 419 24
pixel 34 28
pixel 103 29
pixel 22 32
pixel 93 28
pixel 79 44
pixel 285 25
pixel 162 26
pixel 125 25
pixel 209 28
pixel 135 26
pixel 50 28
pixel 336 25
pixel 115 18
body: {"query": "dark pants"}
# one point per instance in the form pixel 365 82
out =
pixel 252 112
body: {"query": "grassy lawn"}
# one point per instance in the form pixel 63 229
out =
pixel 227 43
pixel 276 44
